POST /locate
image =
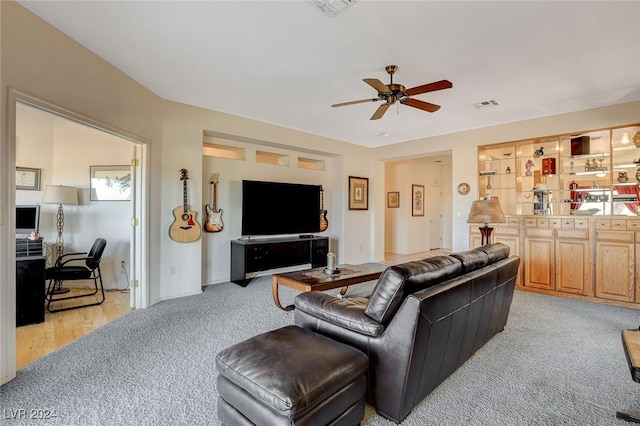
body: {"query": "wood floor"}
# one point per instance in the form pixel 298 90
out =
pixel 61 328
pixel 394 258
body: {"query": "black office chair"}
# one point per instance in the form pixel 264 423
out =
pixel 64 272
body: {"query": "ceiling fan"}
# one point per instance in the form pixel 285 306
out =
pixel 390 93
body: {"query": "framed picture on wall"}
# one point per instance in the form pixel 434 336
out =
pixel 417 197
pixel 393 200
pixel 28 178
pixel 110 183
pixel 358 193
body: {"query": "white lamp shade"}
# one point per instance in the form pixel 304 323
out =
pixel 59 194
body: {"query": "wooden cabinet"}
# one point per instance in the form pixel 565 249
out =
pixel 615 265
pixel 573 261
pixel 587 258
pixel 539 262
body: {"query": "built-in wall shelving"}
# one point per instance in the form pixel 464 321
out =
pixel 600 175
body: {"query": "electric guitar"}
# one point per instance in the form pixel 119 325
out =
pixel 184 228
pixel 324 222
pixel 214 215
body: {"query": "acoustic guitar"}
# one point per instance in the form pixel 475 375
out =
pixel 324 222
pixel 214 215
pixel 184 228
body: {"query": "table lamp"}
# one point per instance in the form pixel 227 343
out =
pixel 59 194
pixel 485 211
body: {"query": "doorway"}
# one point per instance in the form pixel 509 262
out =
pixel 435 216
pixel 406 234
pixel 66 148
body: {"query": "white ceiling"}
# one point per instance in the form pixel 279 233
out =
pixel 285 63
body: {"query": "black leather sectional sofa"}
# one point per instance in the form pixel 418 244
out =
pixel 422 321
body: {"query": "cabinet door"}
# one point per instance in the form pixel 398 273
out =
pixel 475 240
pixel 539 263
pixel 573 268
pixel 512 241
pixel 615 270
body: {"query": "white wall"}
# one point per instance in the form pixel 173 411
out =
pixel 64 150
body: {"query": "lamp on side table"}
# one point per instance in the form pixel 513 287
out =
pixel 486 211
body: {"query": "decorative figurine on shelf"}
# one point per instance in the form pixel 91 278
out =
pixel 587 166
pixel 508 170
pixel 638 174
pixel 594 184
pixel 636 139
pixel 528 166
pixel 622 177
pixel 539 152
pixel 571 165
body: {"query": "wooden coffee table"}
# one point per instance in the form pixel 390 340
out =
pixel 316 280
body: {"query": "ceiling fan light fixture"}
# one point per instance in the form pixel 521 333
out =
pixel 394 93
pixel 333 8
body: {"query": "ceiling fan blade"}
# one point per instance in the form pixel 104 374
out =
pixel 426 106
pixel 380 111
pixel 431 87
pixel 376 84
pixel 361 101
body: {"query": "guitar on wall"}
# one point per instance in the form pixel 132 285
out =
pixel 184 228
pixel 324 222
pixel 214 215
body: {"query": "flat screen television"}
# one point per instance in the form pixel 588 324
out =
pixel 274 208
pixel 27 219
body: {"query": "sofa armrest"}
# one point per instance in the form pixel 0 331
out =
pixel 346 313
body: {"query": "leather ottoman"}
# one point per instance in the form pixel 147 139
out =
pixel 291 376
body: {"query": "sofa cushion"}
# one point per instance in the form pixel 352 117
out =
pixel 346 313
pixel 495 251
pixel 398 281
pixel 482 256
pixel 472 259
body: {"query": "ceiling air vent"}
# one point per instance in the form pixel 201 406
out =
pixel 486 104
pixel 333 7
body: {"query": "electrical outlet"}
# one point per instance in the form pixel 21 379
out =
pixel 172 270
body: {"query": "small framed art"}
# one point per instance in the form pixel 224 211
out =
pixel 393 200
pixel 28 178
pixel 417 198
pixel 358 193
pixel 110 183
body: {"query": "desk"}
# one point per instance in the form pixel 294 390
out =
pixel 29 290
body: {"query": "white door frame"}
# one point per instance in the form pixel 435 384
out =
pixel 435 209
pixel 139 235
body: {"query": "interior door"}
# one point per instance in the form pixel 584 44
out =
pixel 138 282
pixel 435 217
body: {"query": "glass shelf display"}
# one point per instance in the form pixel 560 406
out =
pixel 586 173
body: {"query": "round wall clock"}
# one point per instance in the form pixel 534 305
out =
pixel 463 188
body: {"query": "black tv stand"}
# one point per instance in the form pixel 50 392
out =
pixel 271 253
